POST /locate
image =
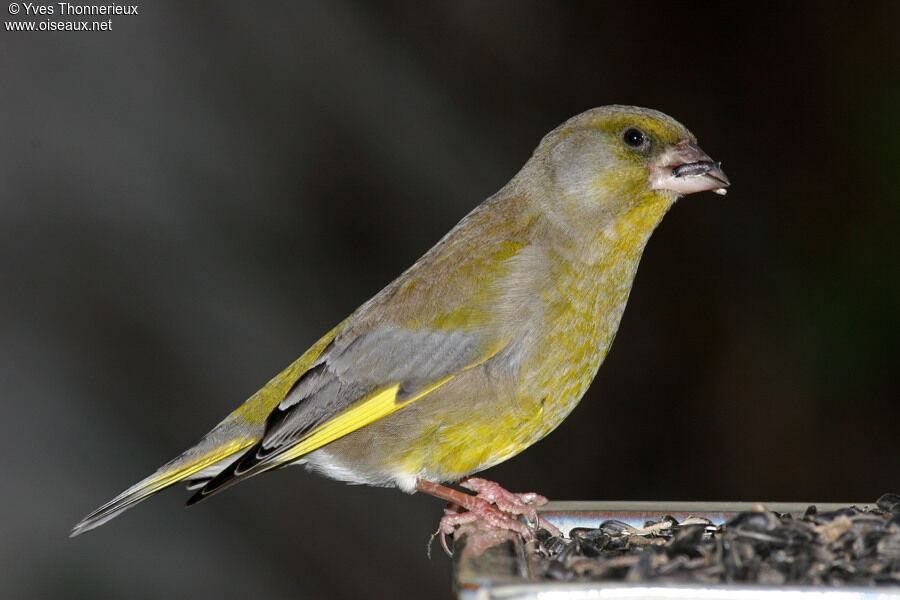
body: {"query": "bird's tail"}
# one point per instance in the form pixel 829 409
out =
pixel 219 448
pixel 214 452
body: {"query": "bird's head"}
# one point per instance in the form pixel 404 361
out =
pixel 615 157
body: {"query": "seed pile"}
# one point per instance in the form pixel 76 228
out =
pixel 850 546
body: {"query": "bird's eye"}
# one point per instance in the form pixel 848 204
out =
pixel 634 138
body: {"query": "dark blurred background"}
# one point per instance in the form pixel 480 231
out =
pixel 191 199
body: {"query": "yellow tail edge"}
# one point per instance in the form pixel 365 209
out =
pixel 171 473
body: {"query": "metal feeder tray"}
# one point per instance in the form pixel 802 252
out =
pixel 501 572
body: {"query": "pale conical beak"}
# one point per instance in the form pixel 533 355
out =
pixel 684 168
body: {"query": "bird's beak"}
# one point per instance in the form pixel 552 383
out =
pixel 685 168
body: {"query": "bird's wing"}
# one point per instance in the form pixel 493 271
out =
pixel 357 380
pixel 430 324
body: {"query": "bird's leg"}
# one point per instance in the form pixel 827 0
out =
pixel 476 507
pixel 495 506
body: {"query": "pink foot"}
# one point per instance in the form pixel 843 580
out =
pixel 492 508
pixel 481 510
pixel 509 502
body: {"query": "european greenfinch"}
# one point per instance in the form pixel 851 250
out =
pixel 480 348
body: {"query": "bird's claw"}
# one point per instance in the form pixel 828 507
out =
pixel 510 503
pixel 490 511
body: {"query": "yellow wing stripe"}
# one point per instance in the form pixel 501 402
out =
pixel 368 410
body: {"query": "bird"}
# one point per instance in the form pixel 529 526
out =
pixel 479 349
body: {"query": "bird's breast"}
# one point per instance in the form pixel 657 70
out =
pixel 590 281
